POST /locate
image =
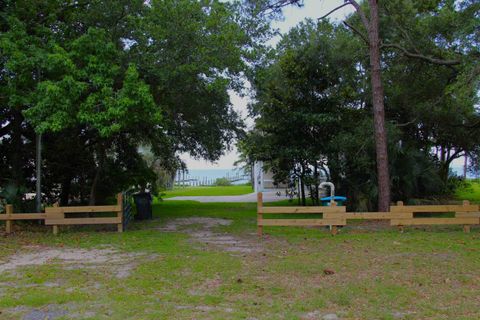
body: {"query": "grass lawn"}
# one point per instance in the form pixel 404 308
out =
pixel 470 192
pixel 204 261
pixel 234 190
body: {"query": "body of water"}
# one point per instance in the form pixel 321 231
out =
pixel 194 177
pixel 458 170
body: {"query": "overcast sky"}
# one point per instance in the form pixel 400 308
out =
pixel 293 15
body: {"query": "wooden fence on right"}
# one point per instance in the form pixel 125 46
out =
pixel 400 215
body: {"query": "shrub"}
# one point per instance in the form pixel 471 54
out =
pixel 222 182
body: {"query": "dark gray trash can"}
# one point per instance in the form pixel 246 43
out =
pixel 143 202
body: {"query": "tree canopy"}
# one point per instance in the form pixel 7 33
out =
pixel 313 101
pixel 100 78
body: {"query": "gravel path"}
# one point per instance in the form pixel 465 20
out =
pixel 270 196
pixel 202 230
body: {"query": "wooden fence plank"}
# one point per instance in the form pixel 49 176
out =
pixel 86 209
pixel 272 210
pixel 23 216
pixel 302 222
pixel 370 215
pixel 60 214
pixel 436 208
pixel 467 215
pixel 80 221
pixel 120 212
pixel 9 223
pixel 462 214
pixel 433 221
pixel 259 214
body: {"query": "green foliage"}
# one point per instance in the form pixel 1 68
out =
pixel 222 182
pixel 102 79
pixel 89 92
pixel 433 94
pixel 313 102
pixel 467 190
pixel 10 195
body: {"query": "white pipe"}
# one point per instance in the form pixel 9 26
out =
pixel 332 190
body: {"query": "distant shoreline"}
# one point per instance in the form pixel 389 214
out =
pixel 203 175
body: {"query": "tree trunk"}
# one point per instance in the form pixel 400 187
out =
pixel 442 154
pixel 317 178
pixel 38 169
pixel 302 186
pixel 302 191
pixel 17 157
pixel 297 183
pixel 65 194
pixel 93 189
pixel 383 177
pixel 444 171
pixel 313 194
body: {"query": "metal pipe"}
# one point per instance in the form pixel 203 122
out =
pixel 332 190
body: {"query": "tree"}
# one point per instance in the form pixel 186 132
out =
pixel 319 73
pixel 371 24
pixel 111 76
pixel 301 99
pixel 462 14
pixel 431 61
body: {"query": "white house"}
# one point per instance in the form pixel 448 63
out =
pixel 263 179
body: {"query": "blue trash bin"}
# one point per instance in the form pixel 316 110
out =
pixel 338 199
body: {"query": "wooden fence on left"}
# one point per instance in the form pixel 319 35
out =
pixel 56 216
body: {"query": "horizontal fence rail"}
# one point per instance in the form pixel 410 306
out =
pixel 56 216
pixel 400 215
pixel 9 217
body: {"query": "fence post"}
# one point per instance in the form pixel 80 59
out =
pixel 334 229
pixel 466 228
pixel 120 212
pixel 55 227
pixel 400 204
pixel 8 222
pixel 259 213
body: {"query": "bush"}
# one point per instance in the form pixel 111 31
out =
pixel 455 183
pixel 222 182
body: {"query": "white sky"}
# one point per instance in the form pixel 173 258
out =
pixel 293 15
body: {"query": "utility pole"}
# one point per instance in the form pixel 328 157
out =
pixel 38 169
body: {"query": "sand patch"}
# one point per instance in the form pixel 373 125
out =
pixel 208 286
pixel 207 223
pixel 49 312
pixel 204 308
pixel 202 230
pixel 317 315
pixel 120 263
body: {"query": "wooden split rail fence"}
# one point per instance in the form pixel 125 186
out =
pixel 57 216
pixel 399 215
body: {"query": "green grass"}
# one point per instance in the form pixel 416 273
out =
pixel 471 191
pixel 424 273
pixel 235 190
